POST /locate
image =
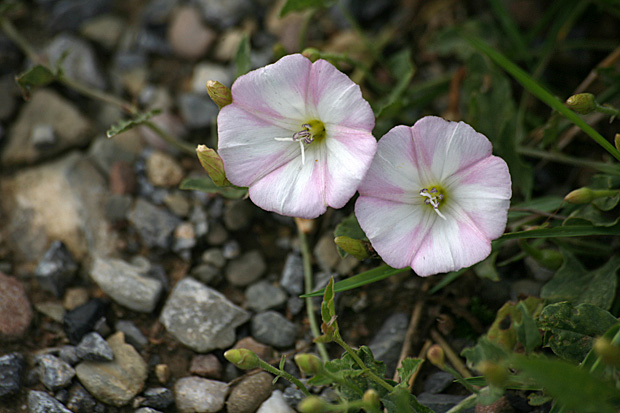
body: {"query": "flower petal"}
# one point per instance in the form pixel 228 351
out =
pixel 337 99
pixel 276 91
pixel 444 148
pixel 248 147
pixel 395 230
pixel 294 189
pixel 349 155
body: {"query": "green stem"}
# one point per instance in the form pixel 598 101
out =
pixel 281 373
pixel 307 265
pixel 187 148
pixel 569 160
pixel 343 382
pixel 466 403
pixel 12 33
pixel 607 110
pixel 97 94
pixel 460 379
pixel 360 363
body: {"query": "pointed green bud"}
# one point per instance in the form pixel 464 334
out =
pixel 436 356
pixel 617 141
pixel 312 404
pixel 371 398
pixel 309 364
pixel 607 352
pixel 355 247
pixel 580 196
pixel 550 258
pixel 213 164
pixel 242 358
pixel 219 93
pixel 312 54
pixel 494 373
pixel 583 103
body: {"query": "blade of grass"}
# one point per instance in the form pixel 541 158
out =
pixel 510 28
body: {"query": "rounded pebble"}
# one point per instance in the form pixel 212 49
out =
pixel 246 396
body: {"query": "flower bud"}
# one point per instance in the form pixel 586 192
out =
pixel 583 103
pixel 436 355
pixel 580 196
pixel 494 373
pixel 352 246
pixel 309 364
pixel 219 93
pixel 242 358
pixel 213 164
pixel 312 404
pixel 617 141
pixel 312 54
pixel 607 351
pixel 371 398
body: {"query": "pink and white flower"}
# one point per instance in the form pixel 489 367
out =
pixel 298 134
pixel 434 197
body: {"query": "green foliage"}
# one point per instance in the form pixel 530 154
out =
pixel 243 61
pixel 35 77
pixel 368 277
pixel 300 5
pixel 349 227
pixel 137 120
pixel 403 69
pixel 206 185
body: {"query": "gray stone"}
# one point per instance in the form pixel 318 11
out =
pixel 184 240
pixel 326 252
pixel 117 207
pixel 79 61
pixel 214 257
pixel 45 107
pixel 206 365
pixel 69 14
pixel 206 71
pixel 126 284
pixel 68 354
pixel 62 200
pixel 388 341
pixel 201 317
pixel 155 225
pixel 197 395
pixel 249 393
pixel 15 311
pixel 106 152
pixel 163 170
pixel 41 402
pixel 12 367
pixel 231 249
pixel 207 273
pixel 42 136
pixel 133 335
pixel 246 269
pixel 93 347
pixel 114 382
pixel 53 372
pixel 274 329
pixel 146 410
pixel 197 110
pixel 292 279
pixel 441 403
pixel 56 269
pixel 263 296
pixel 80 401
pixel 225 14
pixel 187 36
pixel 158 398
pixel 275 404
pixel 238 214
pixel 438 382
pixel 105 30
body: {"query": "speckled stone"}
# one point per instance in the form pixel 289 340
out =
pixel 15 311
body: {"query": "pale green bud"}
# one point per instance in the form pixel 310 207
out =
pixel 436 356
pixel 309 364
pixel 312 54
pixel 494 373
pixel 219 93
pixel 242 358
pixel 583 103
pixel 355 247
pixel 312 404
pixel 213 164
pixel 607 351
pixel 580 196
pixel 371 398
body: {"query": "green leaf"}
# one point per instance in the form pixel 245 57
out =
pixel 403 69
pixel 572 387
pixel 300 5
pixel 606 182
pixel 508 327
pixel 400 400
pixel 563 231
pixel 349 227
pixel 243 63
pixel 575 283
pixel 487 268
pixel 526 327
pixel 484 350
pixel 367 277
pixel 35 77
pixel 570 330
pixel 408 367
pixel 590 214
pixel 206 185
pixel 543 204
pixel 137 120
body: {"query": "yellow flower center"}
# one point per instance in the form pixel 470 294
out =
pixel 434 198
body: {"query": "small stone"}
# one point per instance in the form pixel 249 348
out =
pixel 346 265
pixel 201 317
pixel 214 257
pixel 217 235
pixel 68 354
pixel 274 329
pixel 206 366
pixel 15 311
pixel 75 297
pixel 126 284
pixel 207 274
pixel 56 269
pixel 80 401
pixel 389 339
pixel 225 14
pixel 292 279
pixel 187 35
pixel 228 44
pixel 79 61
pixel 117 207
pixel 105 30
pixel 82 319
pixel 133 335
pixel 184 238
pixel 197 395
pixel 263 351
pixel 155 225
pixel 53 372
pixel 250 393
pixel 204 72
pixel 158 398
pixel 41 402
pixel 238 215
pixel 53 310
pixel 162 372
pixel 177 203
pixel 163 170
pixel 93 347
pixel 146 410
pixel 68 15
pixel 12 367
pixel 326 253
pixel 115 382
pixel 122 152
pixel 122 178
pixel 263 296
pixel 197 109
pixel 42 136
pixel 246 269
pixel 275 404
pixel 437 382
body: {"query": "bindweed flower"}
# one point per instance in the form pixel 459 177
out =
pixel 298 135
pixel 434 197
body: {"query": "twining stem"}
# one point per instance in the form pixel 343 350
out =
pixel 281 373
pixel 97 94
pixel 307 265
pixel 569 160
pixel 607 110
pixel 12 33
pixel 467 402
pixel 363 366
pixel 185 147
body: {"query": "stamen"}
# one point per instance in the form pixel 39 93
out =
pixel 307 136
pixel 433 197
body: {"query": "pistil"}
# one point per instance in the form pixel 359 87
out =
pixel 433 198
pixel 311 130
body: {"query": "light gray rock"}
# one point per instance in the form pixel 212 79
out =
pixel 12 367
pixel 275 404
pixel 274 329
pixel 45 107
pixel 197 395
pixel 197 109
pixel 41 402
pixel 155 225
pixel 126 284
pixel 133 335
pixel 79 61
pixel 56 269
pixel 115 382
pixel 389 339
pixel 201 317
pixel 326 252
pixel 224 14
pixel 214 257
pixel 94 347
pixel 292 279
pixel 206 71
pixel 53 372
pixel 246 269
pixel 263 296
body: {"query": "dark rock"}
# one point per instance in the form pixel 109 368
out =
pixel 155 225
pixel 246 269
pixel 15 311
pixel 70 14
pixel 206 365
pixel 12 367
pixel 249 393
pixel 274 329
pixel 197 110
pixel 387 343
pixel 158 398
pixel 69 355
pixel 94 347
pixel 292 279
pixel 133 335
pixel 82 320
pixel 238 215
pixel 438 382
pixel 263 296
pixel 80 401
pixel 441 403
pixel 53 372
pixel 225 14
pixel 56 269
pixel 41 402
pixel 231 250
